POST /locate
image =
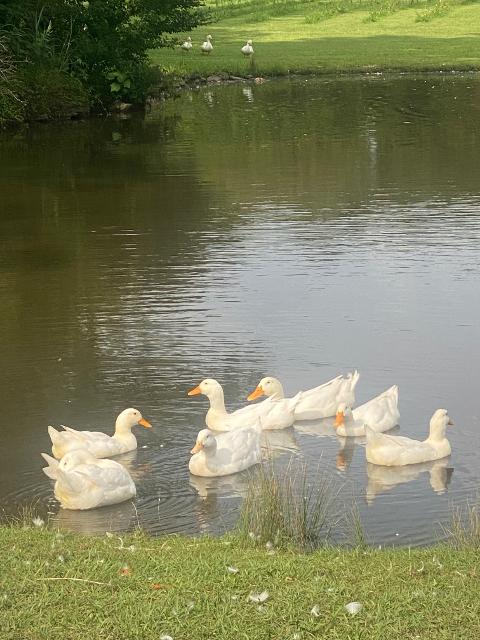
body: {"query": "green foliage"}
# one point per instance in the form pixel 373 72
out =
pixel 101 44
pixel 51 93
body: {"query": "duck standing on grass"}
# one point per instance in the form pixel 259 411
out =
pixel 99 444
pixel 247 49
pixel 187 45
pixel 207 46
pixel 84 482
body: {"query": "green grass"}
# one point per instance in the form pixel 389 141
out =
pixel 61 586
pixel 333 36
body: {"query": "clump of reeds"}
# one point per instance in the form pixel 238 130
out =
pixel 283 507
pixel 464 528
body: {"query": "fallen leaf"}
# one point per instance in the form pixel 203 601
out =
pixel 353 608
pixel 125 571
pixel 159 585
pixel 259 597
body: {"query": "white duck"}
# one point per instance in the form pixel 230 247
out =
pixel 247 49
pixel 99 444
pixel 380 413
pixel 226 453
pixel 390 451
pixel 187 45
pixel 275 414
pixel 207 46
pixel 84 482
pixel 320 402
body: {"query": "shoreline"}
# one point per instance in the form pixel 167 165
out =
pixel 179 84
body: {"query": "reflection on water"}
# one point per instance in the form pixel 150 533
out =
pixel 381 479
pixel 300 228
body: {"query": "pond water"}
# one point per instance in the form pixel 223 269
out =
pixel 300 228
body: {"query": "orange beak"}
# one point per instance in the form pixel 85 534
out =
pixel 256 394
pixel 194 392
pixel 198 447
pixel 145 423
pixel 339 418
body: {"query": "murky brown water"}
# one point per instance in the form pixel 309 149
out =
pixel 300 228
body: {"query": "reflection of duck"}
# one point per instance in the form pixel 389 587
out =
pixel 319 402
pixel 345 454
pixel 321 427
pixel 383 449
pixel 235 484
pixel 99 444
pixel 382 479
pixel 274 413
pixel 120 517
pixel 380 414
pixel 279 442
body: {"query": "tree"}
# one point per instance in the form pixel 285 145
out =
pixel 102 43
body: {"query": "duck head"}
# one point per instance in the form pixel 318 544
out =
pixel 344 413
pixel 74 458
pixel 205 440
pixel 208 387
pixel 128 419
pixel 250 42
pixel 270 387
pixel 439 423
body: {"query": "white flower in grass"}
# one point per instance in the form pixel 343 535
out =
pixel 38 522
pixel 60 558
pixel 353 608
pixel 315 612
pixel 269 546
pixel 165 637
pixel 259 598
pixel 232 570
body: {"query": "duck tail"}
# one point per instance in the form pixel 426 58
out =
pixel 354 378
pixel 394 392
pixel 54 435
pixel 52 470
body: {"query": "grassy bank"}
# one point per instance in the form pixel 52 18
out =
pixel 334 36
pixel 64 586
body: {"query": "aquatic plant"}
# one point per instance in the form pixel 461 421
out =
pixel 284 507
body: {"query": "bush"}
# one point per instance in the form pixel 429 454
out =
pixel 51 93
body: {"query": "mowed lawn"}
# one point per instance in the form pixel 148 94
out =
pixel 306 40
pixel 60 586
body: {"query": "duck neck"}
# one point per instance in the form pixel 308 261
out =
pixel 278 393
pixel 123 432
pixel 217 409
